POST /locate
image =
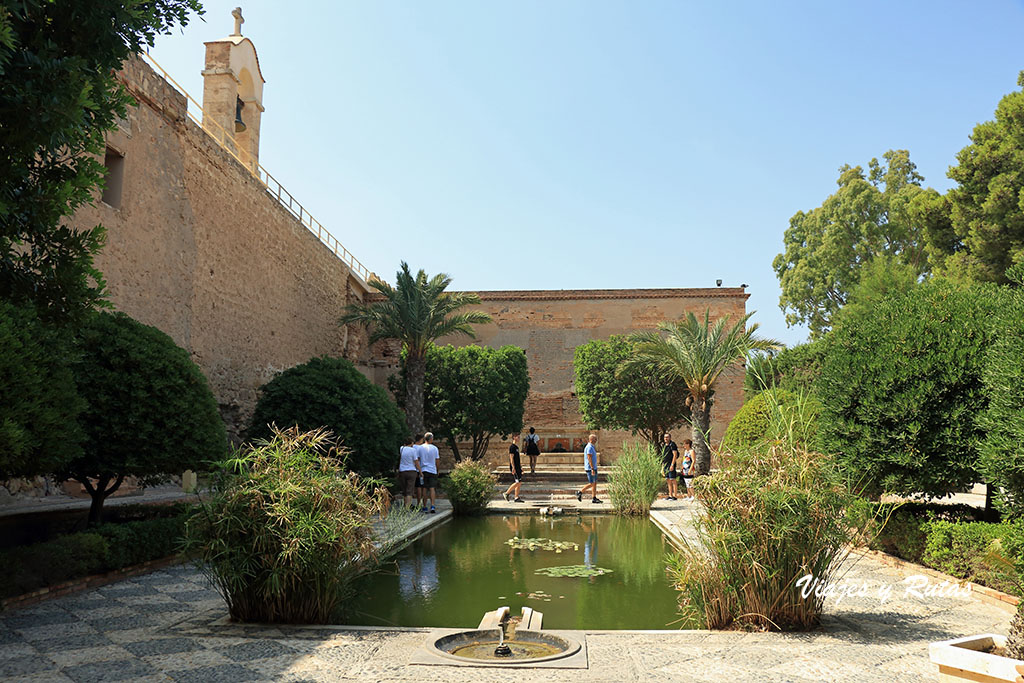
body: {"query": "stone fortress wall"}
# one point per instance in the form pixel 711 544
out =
pixel 549 325
pixel 197 248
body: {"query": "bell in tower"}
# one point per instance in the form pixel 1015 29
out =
pixel 233 93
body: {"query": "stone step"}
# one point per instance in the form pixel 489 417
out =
pixel 567 476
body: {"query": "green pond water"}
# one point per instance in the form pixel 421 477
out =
pixel 461 569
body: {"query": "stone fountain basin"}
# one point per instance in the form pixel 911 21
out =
pixel 436 649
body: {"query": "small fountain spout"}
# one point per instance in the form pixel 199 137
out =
pixel 502 650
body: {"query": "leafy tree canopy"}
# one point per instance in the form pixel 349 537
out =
pixel 697 351
pixel 149 412
pixel 984 234
pixel 331 393
pixel 634 399
pixel 901 389
pixel 59 95
pixel 794 369
pixel 472 394
pixel 416 311
pixel 880 212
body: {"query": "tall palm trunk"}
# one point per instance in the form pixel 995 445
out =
pixel 700 421
pixel 416 370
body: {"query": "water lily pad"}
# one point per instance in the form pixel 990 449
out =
pixel 573 571
pixel 541 544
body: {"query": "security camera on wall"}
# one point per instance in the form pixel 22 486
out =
pixel 718 283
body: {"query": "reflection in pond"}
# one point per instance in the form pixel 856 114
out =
pixel 464 568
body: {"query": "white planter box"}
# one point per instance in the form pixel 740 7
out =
pixel 963 659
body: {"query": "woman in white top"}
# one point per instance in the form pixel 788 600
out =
pixel 408 470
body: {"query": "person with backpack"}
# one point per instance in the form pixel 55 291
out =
pixel 532 443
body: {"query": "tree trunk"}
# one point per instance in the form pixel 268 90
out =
pixel 99 494
pixel 455 449
pixel 416 370
pixel 480 445
pixel 700 421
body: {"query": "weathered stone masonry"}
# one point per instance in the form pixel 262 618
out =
pixel 199 250
pixel 549 325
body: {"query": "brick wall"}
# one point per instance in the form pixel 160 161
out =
pixel 549 325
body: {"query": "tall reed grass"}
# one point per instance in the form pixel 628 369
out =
pixel 286 530
pixel 773 514
pixel 634 483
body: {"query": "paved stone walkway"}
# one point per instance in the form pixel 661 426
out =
pixel 169 625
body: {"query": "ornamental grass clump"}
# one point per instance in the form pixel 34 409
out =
pixel 286 530
pixel 774 514
pixel 634 483
pixel 469 487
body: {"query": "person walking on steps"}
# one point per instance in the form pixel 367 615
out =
pixel 532 443
pixel 669 458
pixel 590 467
pixel 517 471
pixel 428 459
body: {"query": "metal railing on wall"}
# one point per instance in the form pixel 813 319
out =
pixel 274 188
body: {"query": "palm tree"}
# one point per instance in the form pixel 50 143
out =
pixel 697 352
pixel 416 311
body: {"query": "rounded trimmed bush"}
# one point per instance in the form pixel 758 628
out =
pixel 331 393
pixel 761 417
pixel 469 487
pixel 149 411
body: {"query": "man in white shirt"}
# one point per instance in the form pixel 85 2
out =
pixel 428 461
pixel 421 502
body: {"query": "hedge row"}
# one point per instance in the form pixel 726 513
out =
pixel 951 539
pixel 105 548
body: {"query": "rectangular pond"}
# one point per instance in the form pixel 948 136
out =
pixel 459 570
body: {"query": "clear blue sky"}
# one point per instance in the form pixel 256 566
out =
pixel 551 144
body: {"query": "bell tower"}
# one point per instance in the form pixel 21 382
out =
pixel 233 93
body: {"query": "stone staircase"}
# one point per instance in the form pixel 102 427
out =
pixel 558 476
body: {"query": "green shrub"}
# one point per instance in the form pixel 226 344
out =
pixel 39 404
pixel 634 483
pixel 137 542
pixel 149 412
pixel 286 531
pixel 959 549
pixel 45 564
pixel 104 548
pixel 330 393
pixel 469 487
pixel 900 529
pixel 761 418
pixel 773 514
pixel 901 389
pixel 1002 459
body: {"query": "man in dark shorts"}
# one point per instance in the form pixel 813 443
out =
pixel 428 465
pixel 408 470
pixel 516 467
pixel 590 469
pixel 669 458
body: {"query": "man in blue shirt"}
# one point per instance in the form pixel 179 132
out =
pixel 590 467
